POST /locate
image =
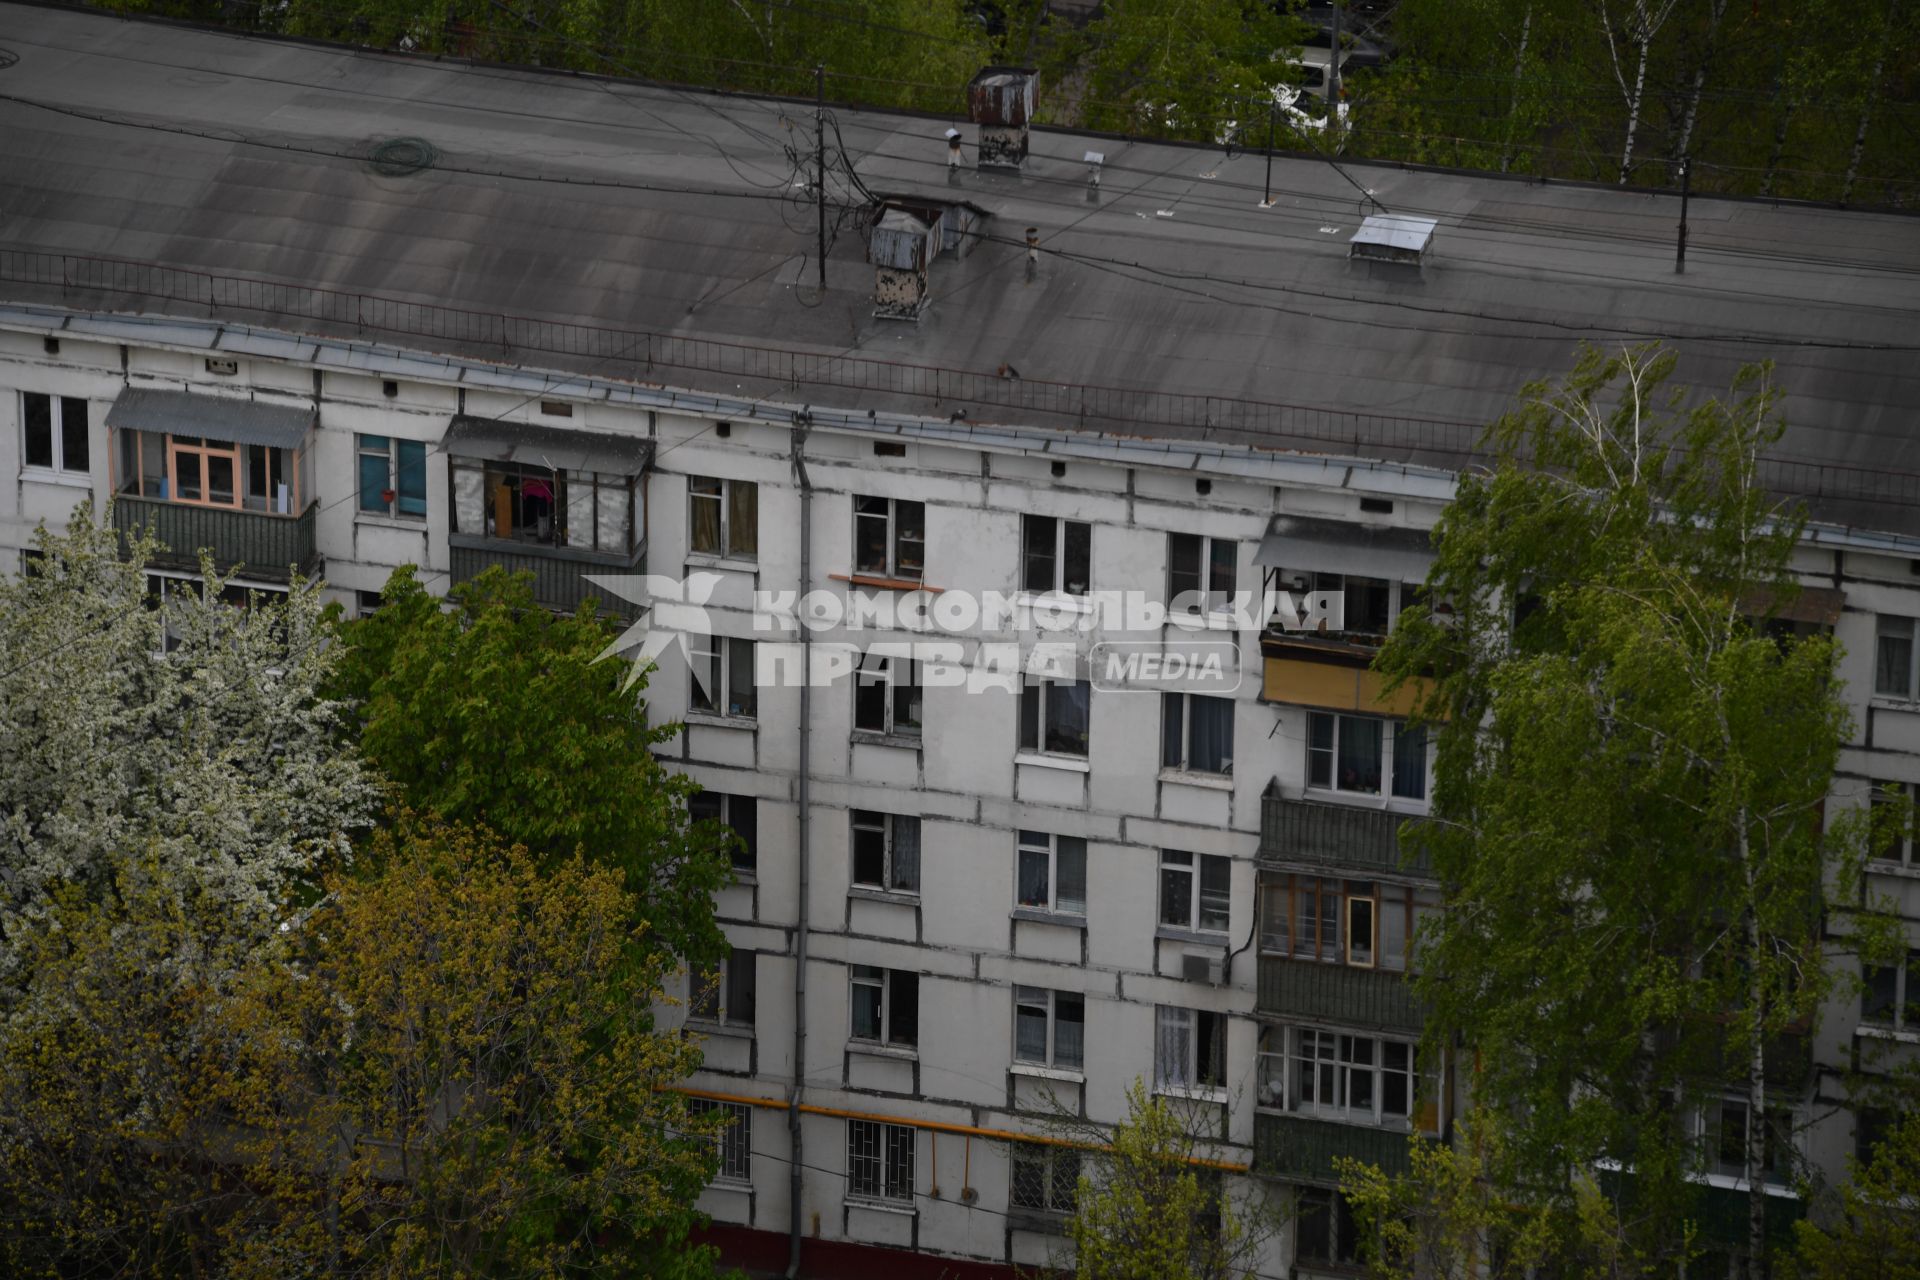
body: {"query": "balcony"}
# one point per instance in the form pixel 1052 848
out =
pixel 263 546
pixel 1331 675
pixel 1377 999
pixel 559 573
pixel 1300 1149
pixel 1337 837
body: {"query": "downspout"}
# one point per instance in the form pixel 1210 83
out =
pixel 797 1165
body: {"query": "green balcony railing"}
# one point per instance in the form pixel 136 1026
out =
pixel 559 573
pixel 1374 998
pixel 1335 836
pixel 1302 1149
pixel 264 546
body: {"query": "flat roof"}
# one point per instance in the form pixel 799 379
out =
pixel 659 234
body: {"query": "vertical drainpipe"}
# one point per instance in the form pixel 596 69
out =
pixel 796 1167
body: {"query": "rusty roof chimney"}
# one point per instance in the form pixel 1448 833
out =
pixel 1001 100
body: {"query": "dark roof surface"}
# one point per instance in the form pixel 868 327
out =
pixel 662 233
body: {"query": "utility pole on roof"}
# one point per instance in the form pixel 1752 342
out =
pixel 820 164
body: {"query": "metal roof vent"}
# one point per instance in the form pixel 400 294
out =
pixel 1392 237
pixel 1000 100
pixel 907 235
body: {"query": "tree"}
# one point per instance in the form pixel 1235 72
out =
pixel 1150 1207
pixel 1630 781
pixel 1184 68
pixel 468 1080
pixel 496 712
pixel 190 729
pixel 1876 1233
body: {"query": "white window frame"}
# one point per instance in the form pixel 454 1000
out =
pixel 1177 1035
pixel 1195 869
pixel 1042 691
pixel 734 1143
pixel 389 454
pixel 722 496
pixel 1906 847
pixel 1782 1148
pixel 1057 1176
pixel 57 438
pixel 893 1154
pixel 1390 734
pixel 1322 1072
pixel 1047 845
pixel 890 827
pixel 1212 597
pixel 1184 762
pixel 902 678
pixel 710 996
pixel 1047 1002
pixel 887 982
pixel 1885 670
pixel 897 565
pixel 1059 585
pixel 721 656
pixel 1903 1016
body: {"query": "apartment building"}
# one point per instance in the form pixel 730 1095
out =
pixel 580 340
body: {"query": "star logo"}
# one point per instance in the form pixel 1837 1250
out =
pixel 671 610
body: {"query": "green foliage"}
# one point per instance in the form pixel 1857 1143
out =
pixel 1147 1210
pixel 1184 68
pixel 465 1078
pixel 497 712
pixel 1627 938
pixel 1875 1234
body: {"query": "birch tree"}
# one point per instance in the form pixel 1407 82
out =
pixel 1630 781
pixel 1635 27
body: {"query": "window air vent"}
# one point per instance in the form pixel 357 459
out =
pixel 889 449
pixel 556 408
pixel 1379 506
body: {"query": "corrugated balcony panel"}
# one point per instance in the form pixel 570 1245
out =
pixel 1341 837
pixel 559 573
pixel 1371 998
pixel 265 546
pixel 1302 1149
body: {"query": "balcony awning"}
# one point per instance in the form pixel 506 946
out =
pixel 551 447
pixel 229 418
pixel 1313 545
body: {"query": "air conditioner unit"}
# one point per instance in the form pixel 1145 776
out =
pixel 1203 967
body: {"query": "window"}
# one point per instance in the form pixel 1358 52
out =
pixel 1190 1048
pixel 1360 1079
pixel 742 813
pixel 1872 1127
pixel 735 1140
pixel 723 677
pixel 886 851
pixel 1346 753
pixel 1892 995
pixel 1727 1134
pixel 879 1161
pixel 1893 658
pixel 1044 1179
pixel 515 502
pixel 886 696
pixel 1894 805
pixel 723 517
pixel 727 995
pixel 890 538
pixel 1367 605
pixel 210 473
pixel 1365 923
pixel 393 476
pixel 1196 733
pixel 1200 572
pixel 1054 715
pixel 1056 555
pixel 1324 1228
pixel 55 434
pixel 1049 1028
pixel 1195 890
pixel 1052 873
pixel 886 1006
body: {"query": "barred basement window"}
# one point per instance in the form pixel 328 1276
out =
pixel 880 1161
pixel 735 1141
pixel 1044 1179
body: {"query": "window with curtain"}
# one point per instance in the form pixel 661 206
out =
pixel 1196 733
pixel 393 476
pixel 723 517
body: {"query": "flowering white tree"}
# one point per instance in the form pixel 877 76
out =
pixel 190 731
